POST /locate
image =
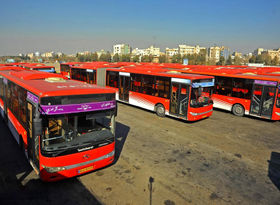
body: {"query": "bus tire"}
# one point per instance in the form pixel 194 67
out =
pixel 238 110
pixel 160 110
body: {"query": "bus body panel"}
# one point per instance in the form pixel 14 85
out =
pixel 226 102
pixel 18 129
pixel 195 114
pixel 77 163
pixel 147 101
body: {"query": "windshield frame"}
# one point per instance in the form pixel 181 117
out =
pixel 198 100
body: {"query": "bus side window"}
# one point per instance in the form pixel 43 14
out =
pixel 148 84
pixel 112 79
pixel 162 87
pixel 223 86
pixel 136 83
pixel 278 99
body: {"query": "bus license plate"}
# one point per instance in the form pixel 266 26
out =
pixel 204 116
pixel 85 169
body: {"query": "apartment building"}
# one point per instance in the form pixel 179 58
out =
pixel 273 53
pixel 258 51
pixel 215 52
pixel 121 49
pixel 171 51
pixel 48 54
pixel 190 50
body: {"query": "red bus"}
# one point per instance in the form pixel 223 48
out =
pixel 184 96
pixel 40 67
pixel 243 91
pixel 65 127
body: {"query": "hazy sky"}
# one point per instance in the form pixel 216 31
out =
pixel 71 26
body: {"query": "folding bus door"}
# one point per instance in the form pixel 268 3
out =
pixel 263 96
pixel 124 86
pixel 32 141
pixel 179 99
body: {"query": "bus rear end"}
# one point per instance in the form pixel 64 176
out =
pixel 78 135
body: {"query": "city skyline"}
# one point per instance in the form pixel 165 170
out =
pixel 70 26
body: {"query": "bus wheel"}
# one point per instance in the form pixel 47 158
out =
pixel 160 110
pixel 238 110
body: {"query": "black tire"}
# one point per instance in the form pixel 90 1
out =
pixel 160 110
pixel 238 110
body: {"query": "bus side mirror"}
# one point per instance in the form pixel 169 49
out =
pixel 37 126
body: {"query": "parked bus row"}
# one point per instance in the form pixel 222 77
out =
pixel 184 96
pixel 65 128
pixel 243 90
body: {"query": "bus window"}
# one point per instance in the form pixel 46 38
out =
pixel 22 104
pixel 223 86
pixel 162 87
pixel 148 84
pixel 242 88
pixel 83 75
pixel 112 79
pixel 278 99
pixel 75 74
pixel 136 83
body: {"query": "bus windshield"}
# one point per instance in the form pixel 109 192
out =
pixel 201 96
pixel 77 130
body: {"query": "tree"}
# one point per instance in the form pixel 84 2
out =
pixel 229 60
pixel 147 58
pixel 125 58
pixel 102 57
pixel 81 58
pixel 237 60
pixel 221 61
pixel 176 58
pixel 94 57
pixel 275 61
pixel 162 59
pixel 259 59
pixel 252 59
pixel 136 58
pixel 105 57
pixel 116 58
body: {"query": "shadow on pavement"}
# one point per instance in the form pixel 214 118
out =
pixel 121 135
pixel 20 185
pixel 274 169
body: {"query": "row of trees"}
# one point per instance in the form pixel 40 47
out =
pixel 196 59
pixel 265 59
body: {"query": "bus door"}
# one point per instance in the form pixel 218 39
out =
pixel 179 99
pixel 124 86
pixel 90 76
pixel 263 96
pixel 33 144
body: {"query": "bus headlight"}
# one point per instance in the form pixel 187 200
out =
pixel 53 169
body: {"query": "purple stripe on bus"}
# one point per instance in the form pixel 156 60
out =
pixel 75 108
pixel 32 97
pixel 263 82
